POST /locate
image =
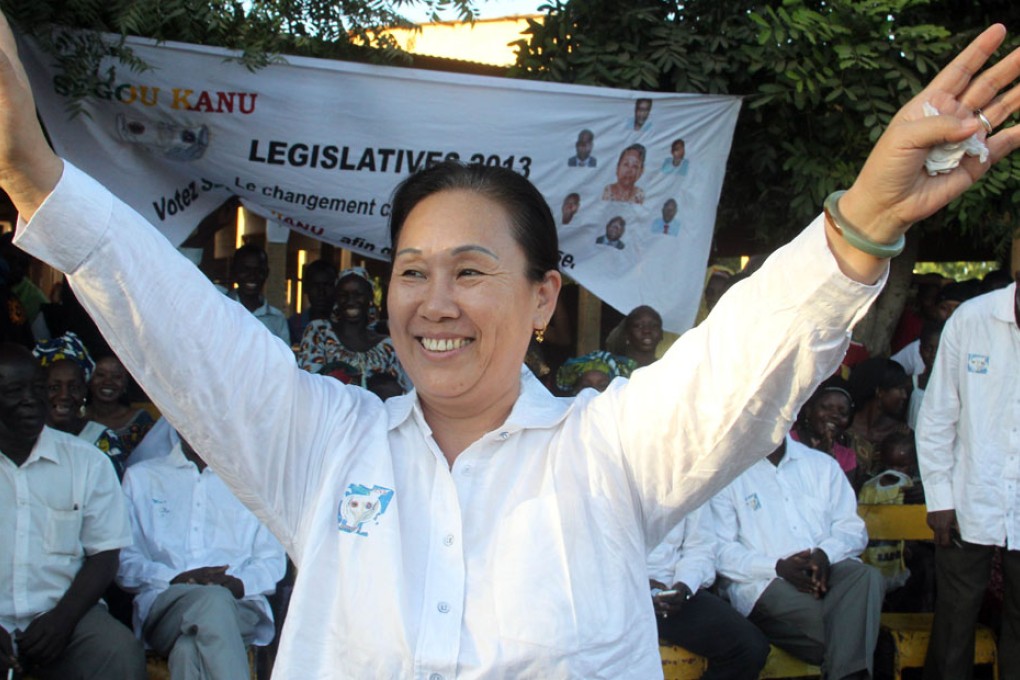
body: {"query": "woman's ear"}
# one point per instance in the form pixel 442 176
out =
pixel 547 293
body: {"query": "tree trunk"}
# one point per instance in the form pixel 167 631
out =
pixel 876 329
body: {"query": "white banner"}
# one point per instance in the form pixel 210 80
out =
pixel 319 146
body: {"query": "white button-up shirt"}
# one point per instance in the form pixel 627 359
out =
pixel 527 558
pixel 183 519
pixel 968 429
pixel 687 555
pixel 773 511
pixel 910 358
pixel 61 504
pixel 271 317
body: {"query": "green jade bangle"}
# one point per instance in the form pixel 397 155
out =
pixel 854 237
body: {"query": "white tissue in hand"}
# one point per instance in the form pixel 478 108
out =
pixel 945 158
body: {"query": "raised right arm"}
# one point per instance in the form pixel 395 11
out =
pixel 225 382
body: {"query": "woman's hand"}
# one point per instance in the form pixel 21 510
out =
pixel 893 191
pixel 28 167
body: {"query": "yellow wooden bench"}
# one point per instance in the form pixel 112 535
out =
pixel 680 664
pixel 156 667
pixel 911 633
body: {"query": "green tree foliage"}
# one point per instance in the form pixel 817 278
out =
pixel 258 29
pixel 820 80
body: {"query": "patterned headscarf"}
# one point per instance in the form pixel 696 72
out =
pixel 360 272
pixel 600 360
pixel 67 346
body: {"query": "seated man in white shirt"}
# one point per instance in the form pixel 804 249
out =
pixel 690 616
pixel 63 524
pixel 789 536
pixel 201 565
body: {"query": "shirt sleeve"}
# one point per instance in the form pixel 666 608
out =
pixel 938 419
pixel 696 566
pixel 104 520
pixel 264 568
pixel 280 328
pixel 219 376
pixel 727 392
pixel 311 355
pixel 848 535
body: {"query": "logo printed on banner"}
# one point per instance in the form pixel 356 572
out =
pixel 977 363
pixel 360 506
pixel 173 141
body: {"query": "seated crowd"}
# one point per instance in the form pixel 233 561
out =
pixel 779 556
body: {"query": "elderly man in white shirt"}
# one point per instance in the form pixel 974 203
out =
pixel 968 450
pixel 201 567
pixel 63 524
pixel 789 536
pixel 689 615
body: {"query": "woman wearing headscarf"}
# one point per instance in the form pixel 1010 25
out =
pixel 347 339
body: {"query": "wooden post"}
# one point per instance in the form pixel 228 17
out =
pixel 589 321
pixel 276 284
pixel 1014 255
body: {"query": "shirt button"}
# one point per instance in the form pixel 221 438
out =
pixel 443 607
pixel 435 676
pixel 504 435
pixel 466 469
pixel 448 540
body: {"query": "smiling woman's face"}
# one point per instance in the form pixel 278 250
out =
pixel 66 387
pixel 629 169
pixel 462 309
pixel 109 380
pixel 353 299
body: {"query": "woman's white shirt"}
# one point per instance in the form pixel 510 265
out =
pixel 527 558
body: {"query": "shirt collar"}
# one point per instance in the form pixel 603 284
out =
pixel 1002 309
pixel 794 451
pixel 45 447
pixel 535 407
pixel 261 310
pixel 177 458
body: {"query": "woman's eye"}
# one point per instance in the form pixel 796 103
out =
pixel 469 272
pixel 412 274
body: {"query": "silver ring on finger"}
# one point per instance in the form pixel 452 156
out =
pixel 984 121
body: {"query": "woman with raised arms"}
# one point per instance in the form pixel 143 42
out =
pixel 479 527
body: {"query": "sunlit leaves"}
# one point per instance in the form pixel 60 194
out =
pixel 821 81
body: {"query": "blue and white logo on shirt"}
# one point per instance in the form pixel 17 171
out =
pixel 977 363
pixel 362 505
pixel 753 502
